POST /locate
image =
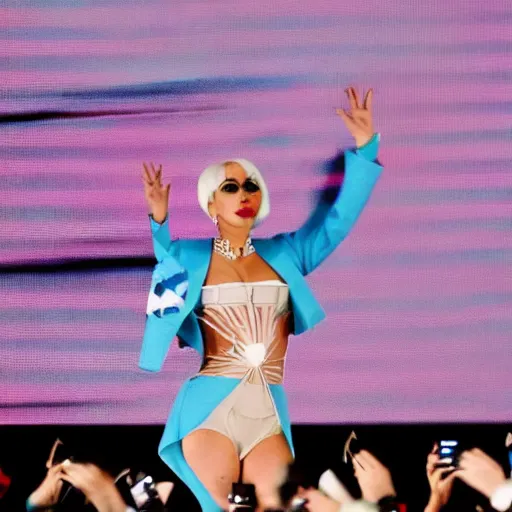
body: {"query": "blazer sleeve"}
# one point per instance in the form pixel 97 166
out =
pixel 163 246
pixel 166 302
pixel 169 285
pixel 158 335
pixel 319 236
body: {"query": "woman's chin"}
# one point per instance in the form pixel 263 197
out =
pixel 241 222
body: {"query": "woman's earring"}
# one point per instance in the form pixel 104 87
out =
pixel 215 220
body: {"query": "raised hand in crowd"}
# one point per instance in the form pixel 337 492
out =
pixel 480 471
pixel 47 494
pixel 440 481
pixel 319 502
pixel 97 485
pixel 373 477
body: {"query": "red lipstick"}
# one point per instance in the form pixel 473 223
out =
pixel 246 213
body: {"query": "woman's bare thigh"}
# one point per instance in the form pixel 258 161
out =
pixel 214 460
pixel 265 466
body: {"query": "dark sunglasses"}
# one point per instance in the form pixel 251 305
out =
pixel 232 186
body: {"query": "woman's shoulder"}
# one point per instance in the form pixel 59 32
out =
pixel 269 239
pixel 191 242
pixel 272 241
pixel 183 246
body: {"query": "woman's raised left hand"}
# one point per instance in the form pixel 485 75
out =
pixel 358 118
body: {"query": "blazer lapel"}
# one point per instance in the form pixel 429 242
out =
pixel 306 310
pixel 271 252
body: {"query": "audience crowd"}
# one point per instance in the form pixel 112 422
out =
pixel 72 486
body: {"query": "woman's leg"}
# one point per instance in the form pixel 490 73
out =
pixel 214 460
pixel 265 466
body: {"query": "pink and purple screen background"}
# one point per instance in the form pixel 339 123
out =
pixel 419 296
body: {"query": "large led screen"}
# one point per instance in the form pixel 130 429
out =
pixel 418 297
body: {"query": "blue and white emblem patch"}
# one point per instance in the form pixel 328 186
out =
pixel 169 286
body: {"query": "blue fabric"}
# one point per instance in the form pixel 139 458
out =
pixel 169 285
pixel 293 256
pixel 205 393
pixel 370 149
pixel 29 507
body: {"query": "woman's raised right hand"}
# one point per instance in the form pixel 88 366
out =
pixel 156 194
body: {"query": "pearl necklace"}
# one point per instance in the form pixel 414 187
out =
pixel 223 247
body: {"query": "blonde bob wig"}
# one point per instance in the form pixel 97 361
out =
pixel 215 174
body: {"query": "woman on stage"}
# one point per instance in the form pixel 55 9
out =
pixel 244 298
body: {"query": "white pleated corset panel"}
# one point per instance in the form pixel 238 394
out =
pixel 246 334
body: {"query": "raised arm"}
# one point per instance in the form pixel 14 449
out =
pixel 157 199
pixel 314 241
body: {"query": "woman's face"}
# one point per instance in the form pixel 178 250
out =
pixel 237 200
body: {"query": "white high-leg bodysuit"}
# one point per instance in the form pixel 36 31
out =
pixel 246 328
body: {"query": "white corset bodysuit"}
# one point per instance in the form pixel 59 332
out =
pixel 245 328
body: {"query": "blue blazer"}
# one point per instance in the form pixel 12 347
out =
pixel 292 255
